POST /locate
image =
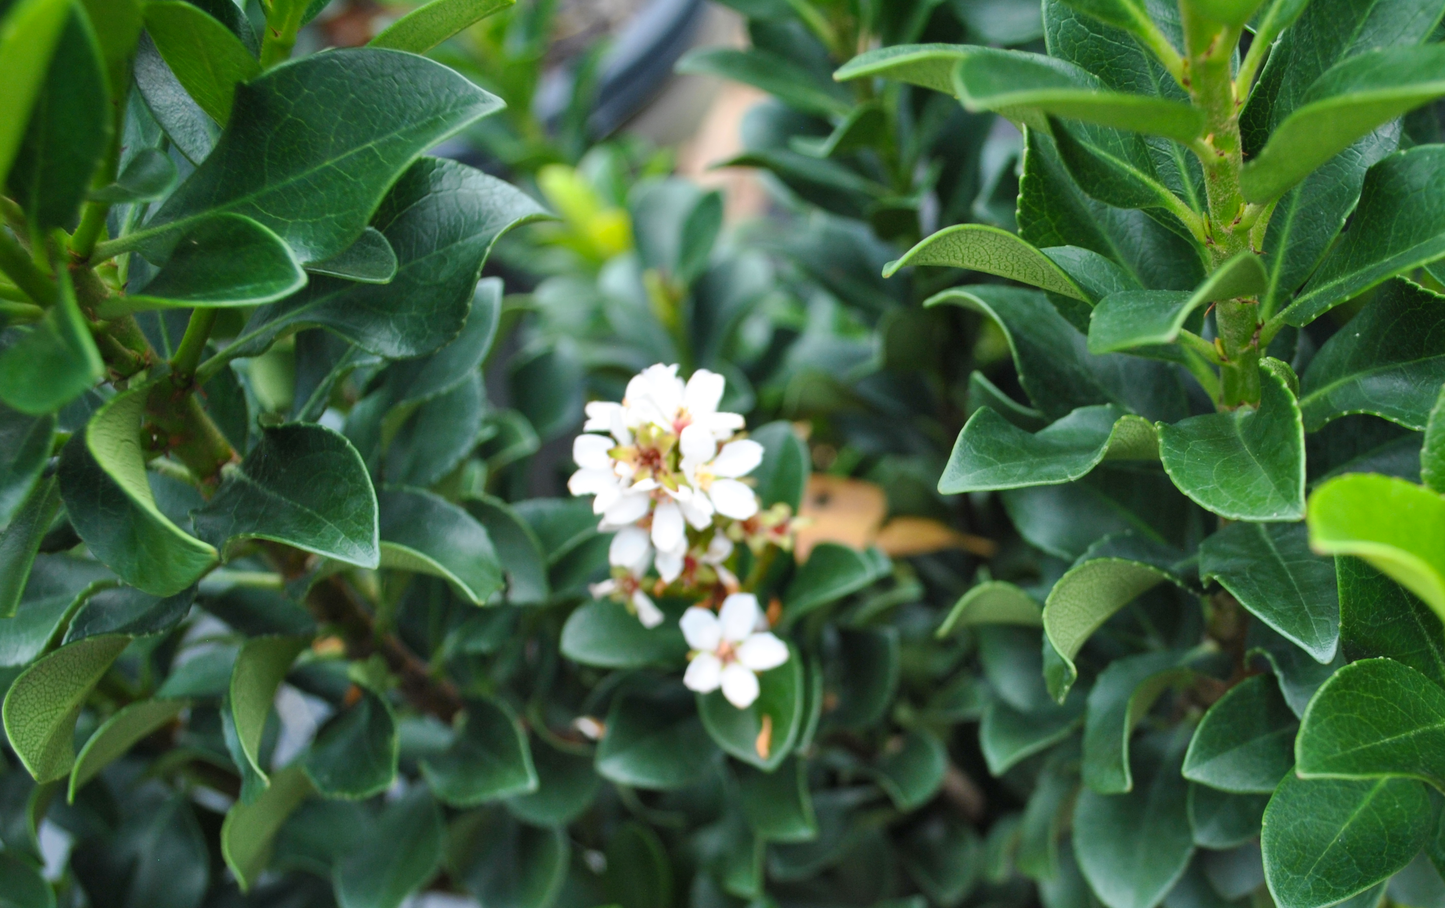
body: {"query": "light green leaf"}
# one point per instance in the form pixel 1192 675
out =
pixel 1224 820
pixel 399 857
pixel 929 65
pixel 654 742
pixel 259 670
pixel 207 59
pixel 1136 318
pixel 1375 718
pixel 20 541
pixel 425 533
pixel 607 635
pixel 1399 224
pixel 248 833
pixel 1121 697
pixel 765 732
pixel 1390 363
pixel 119 734
pixel 1432 452
pixel 1325 840
pixel 795 85
pixel 992 602
pixel 1349 100
pixel 45 700
pixel 911 769
pixel 109 501
pixel 432 23
pixel 303 485
pixel 28 35
pixel 59 347
pixel 991 453
pixel 1395 525
pixel 1270 569
pixel 831 572
pixel 369 260
pixel 222 262
pixel 977 247
pixel 1008 735
pixel 1248 464
pixel 778 805
pixel 355 753
pixel 488 760
pixel 1245 742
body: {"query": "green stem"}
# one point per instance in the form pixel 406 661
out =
pixel 280 32
pixel 92 216
pixel 17 313
pixel 16 263
pixel 193 344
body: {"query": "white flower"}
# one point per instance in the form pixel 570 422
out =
pixel 730 648
pixel 658 396
pixel 714 474
pixel 626 588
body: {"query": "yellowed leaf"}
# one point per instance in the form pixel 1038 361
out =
pixel 903 537
pixel 842 510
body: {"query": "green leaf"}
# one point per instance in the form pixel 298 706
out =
pixel 863 679
pixel 1137 318
pixel 1270 569
pixel 206 58
pixel 1398 225
pixel 943 856
pixel 438 435
pixel 654 742
pixel 992 602
pixel 1046 816
pixel 189 129
pixel 488 760
pixel 977 247
pixel 441 218
pixel 248 833
pixel 29 33
pixel 605 634
pixel 1023 85
pixel 795 85
pixel 260 667
pixel 1349 100
pixel 1245 743
pixel 783 474
pixel 1248 464
pixel 518 549
pixel 831 572
pixel 124 610
pixel 45 700
pixel 503 862
pixel 318 191
pixel 426 533
pixel 1121 698
pixel 22 883
pixel 1390 363
pixel 109 501
pixel 26 442
pixel 911 769
pixel 929 65
pixel 638 873
pixel 991 453
pixel 1224 820
pixel 778 805
pixel 60 348
pixel 1008 735
pixel 1395 525
pixel 119 734
pixel 303 485
pixel 1375 718
pixel 20 541
pixel 432 23
pixel 355 753
pixel 399 857
pixel 222 262
pixel 765 732
pixel 369 260
pixel 1432 452
pixel 56 587
pixel 1298 674
pixel 566 787
pixel 1378 617
pixel 1107 577
pixel 1325 840
pixel 148 176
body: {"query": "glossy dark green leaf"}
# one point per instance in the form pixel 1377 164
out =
pixel 248 834
pixel 1398 225
pixel 1133 847
pixel 1224 820
pixel 437 436
pixel 1242 465
pixel 432 23
pixel 118 734
pixel 992 602
pixel 260 667
pixel 1007 735
pixel 125 610
pixel 399 857
pixel 1296 672
pixel 146 177
pixel 303 485
pixel 831 572
pixel 56 587
pixel 489 759
pixel 43 703
pixel 1119 700
pixel 1374 718
pixel 22 883
pixel 1325 840
pixel 369 260
pixel 1270 569
pixel 783 474
pixel 20 541
pixel 547 386
pixel 1046 816
pixel 1378 617
pixel 426 533
pixel 763 734
pixel 654 742
pixel 1245 743
pixel 318 196
pixel 794 85
pixel 504 862
pixel 425 377
pixel 607 635
pixel 1390 363
pixel 778 804
pixel 1136 318
pixel 191 131
pixel 911 769
pixel 59 347
pixel 638 873
pixel 26 443
pixel 203 53
pixel 355 752
pixel 224 261
pixel 944 857
pixel 991 453
pixel 863 681
pixel 28 36
pixel 976 247
pixel 1432 452
pixel 518 549
pixel 566 787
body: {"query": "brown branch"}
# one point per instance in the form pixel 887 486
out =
pixel 960 790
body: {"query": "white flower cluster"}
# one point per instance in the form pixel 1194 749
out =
pixel 665 471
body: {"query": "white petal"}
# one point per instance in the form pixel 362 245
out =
pixel 668 532
pixel 669 565
pixel 628 508
pixel 739 685
pixel 590 481
pixel 630 549
pixel 738 616
pixel 704 673
pixel 600 414
pixel 733 499
pixel 647 612
pixel 697 444
pixel 761 652
pixel 698 511
pixel 703 393
pixel 602 590
pixel 738 458
pixel 718 549
pixel 723 425
pixel 606 499
pixel 701 629
pixel 590 451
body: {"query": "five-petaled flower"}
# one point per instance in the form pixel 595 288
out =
pixel 730 648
